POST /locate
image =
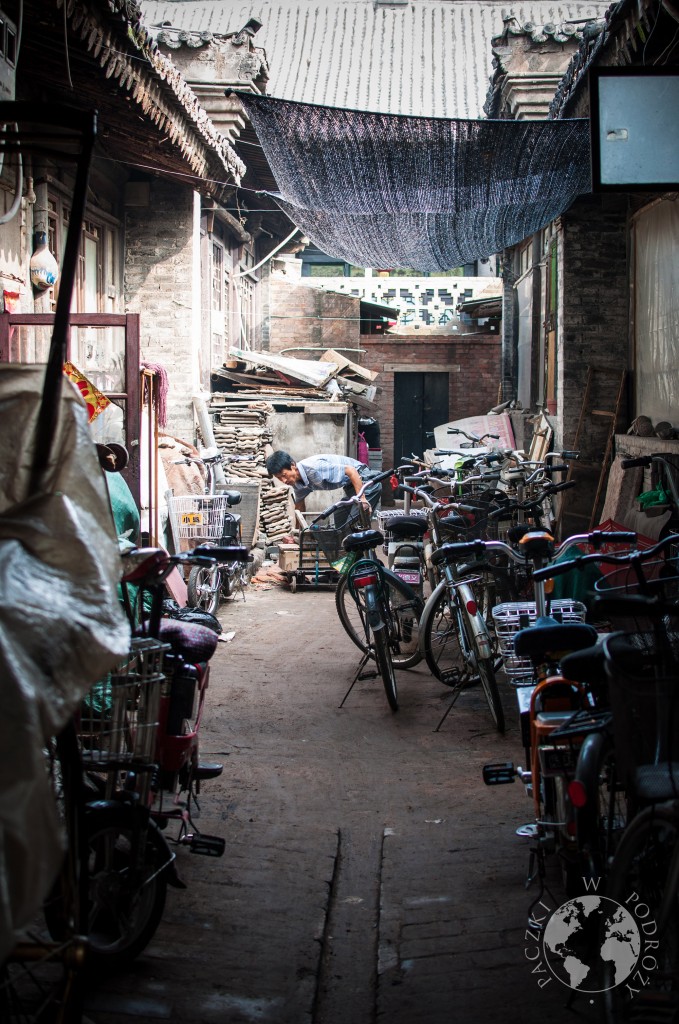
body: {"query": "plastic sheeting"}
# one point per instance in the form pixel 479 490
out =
pixel 61 627
pixel 656 236
pixel 388 190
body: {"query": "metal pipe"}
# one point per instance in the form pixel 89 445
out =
pixel 320 348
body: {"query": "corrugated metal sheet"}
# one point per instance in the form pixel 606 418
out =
pixel 429 57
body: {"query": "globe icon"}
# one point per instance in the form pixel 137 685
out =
pixel 587 934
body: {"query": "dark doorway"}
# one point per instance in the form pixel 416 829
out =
pixel 420 404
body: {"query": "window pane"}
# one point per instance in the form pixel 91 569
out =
pixel 99 353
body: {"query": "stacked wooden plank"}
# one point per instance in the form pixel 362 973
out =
pixel 246 431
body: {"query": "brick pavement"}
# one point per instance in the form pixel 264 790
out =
pixel 369 875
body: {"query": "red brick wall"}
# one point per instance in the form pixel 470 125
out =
pixel 473 365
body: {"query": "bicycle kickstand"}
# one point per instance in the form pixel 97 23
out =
pixel 368 675
pixel 456 691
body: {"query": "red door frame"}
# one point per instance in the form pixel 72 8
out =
pixel 130 322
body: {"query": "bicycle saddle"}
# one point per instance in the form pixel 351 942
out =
pixel 363 540
pixel 406 527
pixel 454 521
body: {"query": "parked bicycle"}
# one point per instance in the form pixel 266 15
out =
pixel 637 773
pixel 554 710
pixel 378 609
pixel 640 594
pixel 210 519
pixel 454 638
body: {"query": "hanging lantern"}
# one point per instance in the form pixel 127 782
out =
pixel 44 267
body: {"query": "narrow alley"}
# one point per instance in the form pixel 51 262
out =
pixel 369 875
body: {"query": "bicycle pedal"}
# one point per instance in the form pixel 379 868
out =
pixel 499 773
pixel 208 770
pixel 450 678
pixel 207 846
pixel 529 831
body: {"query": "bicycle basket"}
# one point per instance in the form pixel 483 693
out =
pixel 197 517
pixel 317 539
pixel 511 616
pixel 118 719
pixel 661 579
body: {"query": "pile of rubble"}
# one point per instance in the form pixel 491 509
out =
pixel 260 376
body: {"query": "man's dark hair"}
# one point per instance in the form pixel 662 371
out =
pixel 278 461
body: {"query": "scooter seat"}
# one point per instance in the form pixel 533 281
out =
pixel 195 643
pixel 540 640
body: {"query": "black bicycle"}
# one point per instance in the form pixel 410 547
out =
pixel 379 611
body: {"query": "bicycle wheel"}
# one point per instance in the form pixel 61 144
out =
pixel 126 885
pixel 643 880
pixel 385 666
pixel 441 626
pixel 406 608
pixel 602 820
pixel 41 980
pixel 440 638
pixel 203 587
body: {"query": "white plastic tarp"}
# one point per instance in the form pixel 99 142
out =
pixel 61 625
pixel 656 234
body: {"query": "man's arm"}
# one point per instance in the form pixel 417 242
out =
pixel 355 481
pixel 300 506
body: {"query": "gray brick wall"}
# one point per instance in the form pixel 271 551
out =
pixel 160 283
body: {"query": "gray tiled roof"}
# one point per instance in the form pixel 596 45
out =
pixel 422 57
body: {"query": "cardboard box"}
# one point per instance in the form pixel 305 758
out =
pixel 288 557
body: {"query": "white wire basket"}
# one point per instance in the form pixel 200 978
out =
pixel 511 616
pixel 117 723
pixel 198 517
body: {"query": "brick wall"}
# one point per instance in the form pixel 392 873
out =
pixel 305 316
pixel 594 330
pixel 162 284
pixel 473 366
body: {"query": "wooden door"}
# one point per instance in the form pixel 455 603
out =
pixel 420 404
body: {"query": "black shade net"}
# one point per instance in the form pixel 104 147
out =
pixel 390 190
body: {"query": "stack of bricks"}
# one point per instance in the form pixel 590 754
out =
pixel 246 431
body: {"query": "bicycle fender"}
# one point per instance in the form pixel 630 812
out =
pixel 479 629
pixel 373 610
pixel 121 810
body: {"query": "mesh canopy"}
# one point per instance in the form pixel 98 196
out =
pixel 390 190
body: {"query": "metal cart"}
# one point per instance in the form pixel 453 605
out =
pixel 319 547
